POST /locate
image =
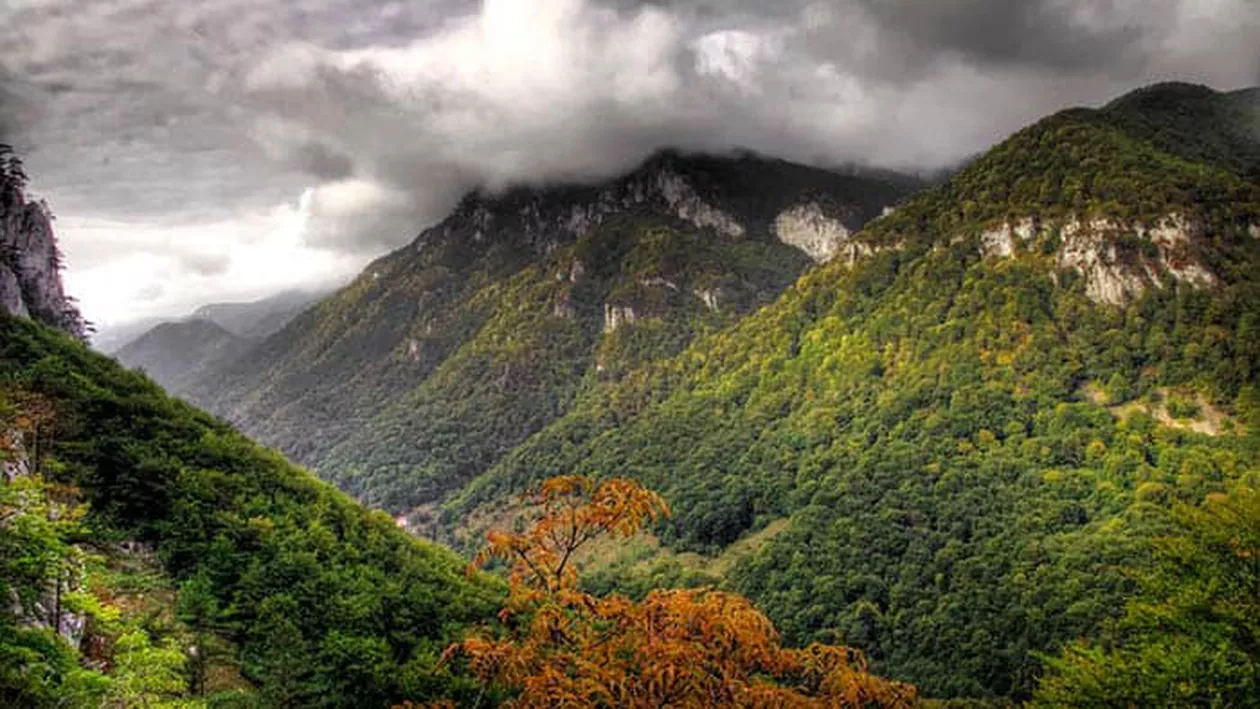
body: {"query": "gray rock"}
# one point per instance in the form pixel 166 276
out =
pixel 30 266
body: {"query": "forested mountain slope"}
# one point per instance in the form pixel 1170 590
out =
pixel 259 318
pixel 444 355
pixel 205 566
pixel 178 353
pixel 970 431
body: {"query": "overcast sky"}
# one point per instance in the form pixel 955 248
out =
pixel 210 150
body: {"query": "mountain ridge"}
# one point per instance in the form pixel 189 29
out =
pixel 916 417
pixel 175 354
pixel 702 239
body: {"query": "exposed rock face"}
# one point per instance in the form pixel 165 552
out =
pixel 711 194
pixel 1000 241
pixel 686 204
pixel 809 228
pixel 30 267
pixel 616 316
pixel 1115 274
pixel 563 307
pixel 709 297
pixel 1119 261
pixel 657 282
pixel 14 463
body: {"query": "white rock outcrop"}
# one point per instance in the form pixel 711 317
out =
pixel 809 228
pixel 616 316
pixel 1093 247
pixel 686 204
pixel 1113 274
pixel 658 282
pixel 1000 241
pixel 1172 236
pixel 563 307
pixel 709 297
pixel 1086 250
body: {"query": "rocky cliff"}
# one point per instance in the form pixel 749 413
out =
pixel 30 264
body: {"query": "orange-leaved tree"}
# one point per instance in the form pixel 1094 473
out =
pixel 560 647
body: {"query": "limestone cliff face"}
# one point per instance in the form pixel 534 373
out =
pixel 734 198
pixel 30 266
pixel 1119 261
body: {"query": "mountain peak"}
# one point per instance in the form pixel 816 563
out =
pixel 1160 94
pixel 740 195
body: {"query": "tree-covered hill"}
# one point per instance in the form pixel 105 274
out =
pixel 972 431
pixel 444 355
pixel 302 594
pixel 175 354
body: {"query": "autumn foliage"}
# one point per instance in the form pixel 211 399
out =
pixel 561 647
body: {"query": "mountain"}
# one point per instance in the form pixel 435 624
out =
pixel 259 318
pixel 444 355
pixel 176 354
pixel 150 555
pixel 1004 439
pixel 945 451
pixel 30 262
pixel 203 557
pixel 253 320
pixel 180 353
pixel 108 339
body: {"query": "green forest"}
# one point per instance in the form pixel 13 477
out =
pixel 969 451
pixel 296 595
pixel 993 487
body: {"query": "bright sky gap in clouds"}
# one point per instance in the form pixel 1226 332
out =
pixel 228 149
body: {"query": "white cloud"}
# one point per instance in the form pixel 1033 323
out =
pixel 128 271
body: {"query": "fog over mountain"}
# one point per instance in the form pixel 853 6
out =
pixel 229 149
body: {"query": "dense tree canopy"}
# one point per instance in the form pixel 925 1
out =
pixel 315 600
pixel 563 647
pixel 1192 637
pixel 966 449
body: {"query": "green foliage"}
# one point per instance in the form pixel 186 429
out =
pixel 1127 162
pixel 444 355
pixel 544 341
pixel 1180 407
pixel 258 545
pixel 148 675
pixel 955 506
pixel 1191 637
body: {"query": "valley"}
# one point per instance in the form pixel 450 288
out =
pixel 996 433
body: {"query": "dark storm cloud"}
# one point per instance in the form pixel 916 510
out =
pixel 360 121
pixel 322 161
pixel 1069 36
